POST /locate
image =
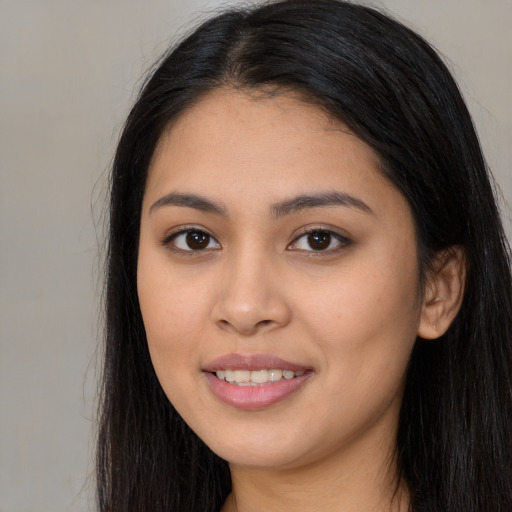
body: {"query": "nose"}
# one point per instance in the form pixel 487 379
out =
pixel 252 297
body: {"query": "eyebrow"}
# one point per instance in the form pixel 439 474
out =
pixel 323 199
pixel 189 201
pixel 281 209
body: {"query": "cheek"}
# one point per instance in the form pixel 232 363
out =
pixel 364 302
pixel 173 312
pixel 365 321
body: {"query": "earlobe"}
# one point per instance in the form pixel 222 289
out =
pixel 444 291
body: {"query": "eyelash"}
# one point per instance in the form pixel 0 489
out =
pixel 342 242
pixel 169 240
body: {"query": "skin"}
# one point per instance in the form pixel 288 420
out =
pixel 350 313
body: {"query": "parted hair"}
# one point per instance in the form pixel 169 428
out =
pixel 387 84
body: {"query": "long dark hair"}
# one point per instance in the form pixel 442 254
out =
pixel 386 83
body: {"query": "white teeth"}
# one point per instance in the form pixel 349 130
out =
pixel 255 377
pixel 242 376
pixel 259 376
pixel 275 375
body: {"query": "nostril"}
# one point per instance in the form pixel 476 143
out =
pixel 248 317
pixel 248 328
pixel 263 323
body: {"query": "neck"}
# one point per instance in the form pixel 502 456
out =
pixel 363 480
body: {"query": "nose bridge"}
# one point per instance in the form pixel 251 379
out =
pixel 251 298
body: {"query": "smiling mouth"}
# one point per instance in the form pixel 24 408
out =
pixel 254 381
pixel 245 393
pixel 256 377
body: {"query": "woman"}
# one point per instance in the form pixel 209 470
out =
pixel 309 299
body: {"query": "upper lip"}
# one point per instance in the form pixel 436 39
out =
pixel 252 362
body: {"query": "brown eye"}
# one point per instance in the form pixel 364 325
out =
pixel 192 240
pixel 197 240
pixel 319 240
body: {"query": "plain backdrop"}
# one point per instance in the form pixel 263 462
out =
pixel 68 72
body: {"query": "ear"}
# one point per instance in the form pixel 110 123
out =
pixel 444 291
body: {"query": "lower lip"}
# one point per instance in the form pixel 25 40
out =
pixel 255 397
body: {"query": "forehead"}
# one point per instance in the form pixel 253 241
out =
pixel 233 145
pixel 247 121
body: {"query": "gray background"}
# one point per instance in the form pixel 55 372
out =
pixel 68 70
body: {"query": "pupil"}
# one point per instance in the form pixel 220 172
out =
pixel 319 240
pixel 197 240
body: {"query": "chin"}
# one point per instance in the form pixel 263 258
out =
pixel 270 449
pixel 258 457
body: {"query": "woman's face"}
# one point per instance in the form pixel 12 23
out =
pixel 273 252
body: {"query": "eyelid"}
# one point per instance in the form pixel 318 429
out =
pixel 181 230
pixel 307 230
